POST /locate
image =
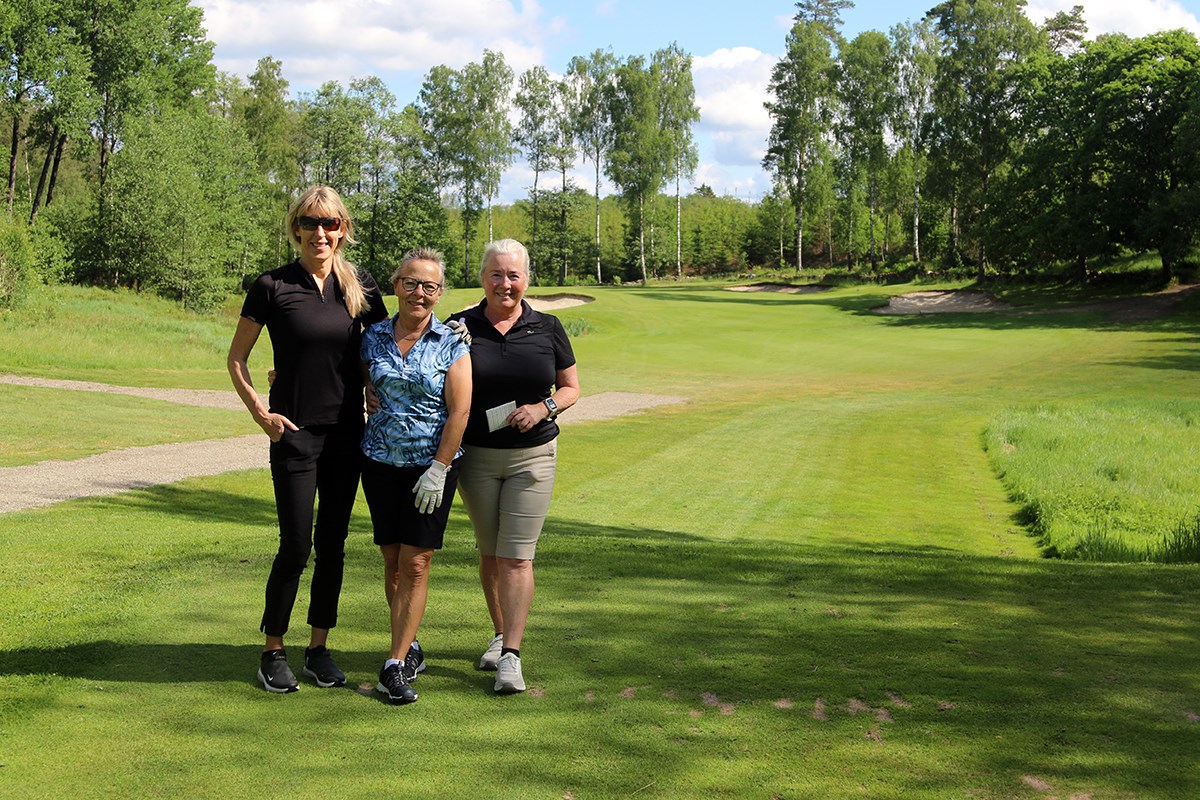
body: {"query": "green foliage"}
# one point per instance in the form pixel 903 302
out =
pixel 1104 481
pixel 17 260
pixel 179 191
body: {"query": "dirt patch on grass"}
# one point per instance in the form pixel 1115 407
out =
pixel 49 482
pixel 785 288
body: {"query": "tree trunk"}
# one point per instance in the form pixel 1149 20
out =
pixel 41 187
pixel 829 228
pixel 874 256
pixel 799 238
pixel 678 231
pixel 598 278
pixel 781 220
pixel 562 275
pixel 533 249
pixel 954 230
pixel 642 234
pixel 12 160
pixel 58 151
pixel 916 212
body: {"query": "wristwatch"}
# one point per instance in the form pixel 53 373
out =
pixel 552 407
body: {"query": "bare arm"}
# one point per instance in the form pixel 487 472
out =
pixel 244 339
pixel 566 392
pixel 458 404
pixel 566 388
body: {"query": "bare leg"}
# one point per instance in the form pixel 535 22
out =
pixel 409 596
pixel 319 637
pixel 489 580
pixel 514 583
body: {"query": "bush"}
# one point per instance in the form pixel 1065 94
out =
pixel 17 260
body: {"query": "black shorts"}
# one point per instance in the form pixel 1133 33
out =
pixel 394 515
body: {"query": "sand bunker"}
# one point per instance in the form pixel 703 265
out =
pixel 553 302
pixel 950 301
pixel 785 288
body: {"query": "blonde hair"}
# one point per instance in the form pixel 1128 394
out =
pixel 504 246
pixel 326 202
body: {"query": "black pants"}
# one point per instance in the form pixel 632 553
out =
pixel 319 461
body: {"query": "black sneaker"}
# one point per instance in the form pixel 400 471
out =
pixel 318 665
pixel 414 662
pixel 275 675
pixel 394 683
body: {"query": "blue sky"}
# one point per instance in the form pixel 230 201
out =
pixel 733 44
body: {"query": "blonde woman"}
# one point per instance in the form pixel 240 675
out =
pixel 314 310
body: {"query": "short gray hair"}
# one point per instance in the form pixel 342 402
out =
pixel 422 254
pixel 504 246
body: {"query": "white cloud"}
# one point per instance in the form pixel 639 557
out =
pixel 317 41
pixel 1133 17
pixel 731 87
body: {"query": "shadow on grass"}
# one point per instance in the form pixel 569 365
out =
pixel 202 503
pixel 1093 663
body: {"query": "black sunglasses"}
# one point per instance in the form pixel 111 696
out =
pixel 328 223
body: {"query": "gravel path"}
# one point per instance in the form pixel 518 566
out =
pixel 49 482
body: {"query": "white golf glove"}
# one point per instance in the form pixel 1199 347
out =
pixel 459 329
pixel 429 489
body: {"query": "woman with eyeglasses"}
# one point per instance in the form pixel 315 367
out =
pixel 421 373
pixel 524 377
pixel 314 310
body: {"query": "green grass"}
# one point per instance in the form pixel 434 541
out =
pixel 41 423
pixel 807 582
pixel 1112 481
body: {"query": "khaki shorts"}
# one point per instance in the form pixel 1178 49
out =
pixel 507 495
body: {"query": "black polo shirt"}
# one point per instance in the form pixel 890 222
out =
pixel 318 380
pixel 520 366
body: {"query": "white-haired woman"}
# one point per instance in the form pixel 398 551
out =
pixel 523 377
pixel 314 310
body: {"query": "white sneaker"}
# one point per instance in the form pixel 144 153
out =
pixel 508 675
pixel 492 654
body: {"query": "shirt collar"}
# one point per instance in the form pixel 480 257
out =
pixel 528 315
pixel 436 327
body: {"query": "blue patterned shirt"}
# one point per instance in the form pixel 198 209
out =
pixel 406 430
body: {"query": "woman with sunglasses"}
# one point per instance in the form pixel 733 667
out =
pixel 421 374
pixel 314 310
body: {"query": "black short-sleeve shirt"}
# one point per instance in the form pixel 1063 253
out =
pixel 520 366
pixel 318 380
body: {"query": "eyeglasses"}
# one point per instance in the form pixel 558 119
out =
pixel 409 285
pixel 328 223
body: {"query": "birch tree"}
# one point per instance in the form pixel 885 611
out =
pixel 802 86
pixel 677 113
pixel 591 82
pixel 915 48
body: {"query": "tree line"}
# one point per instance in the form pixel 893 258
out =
pixel 134 162
pixel 971 139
